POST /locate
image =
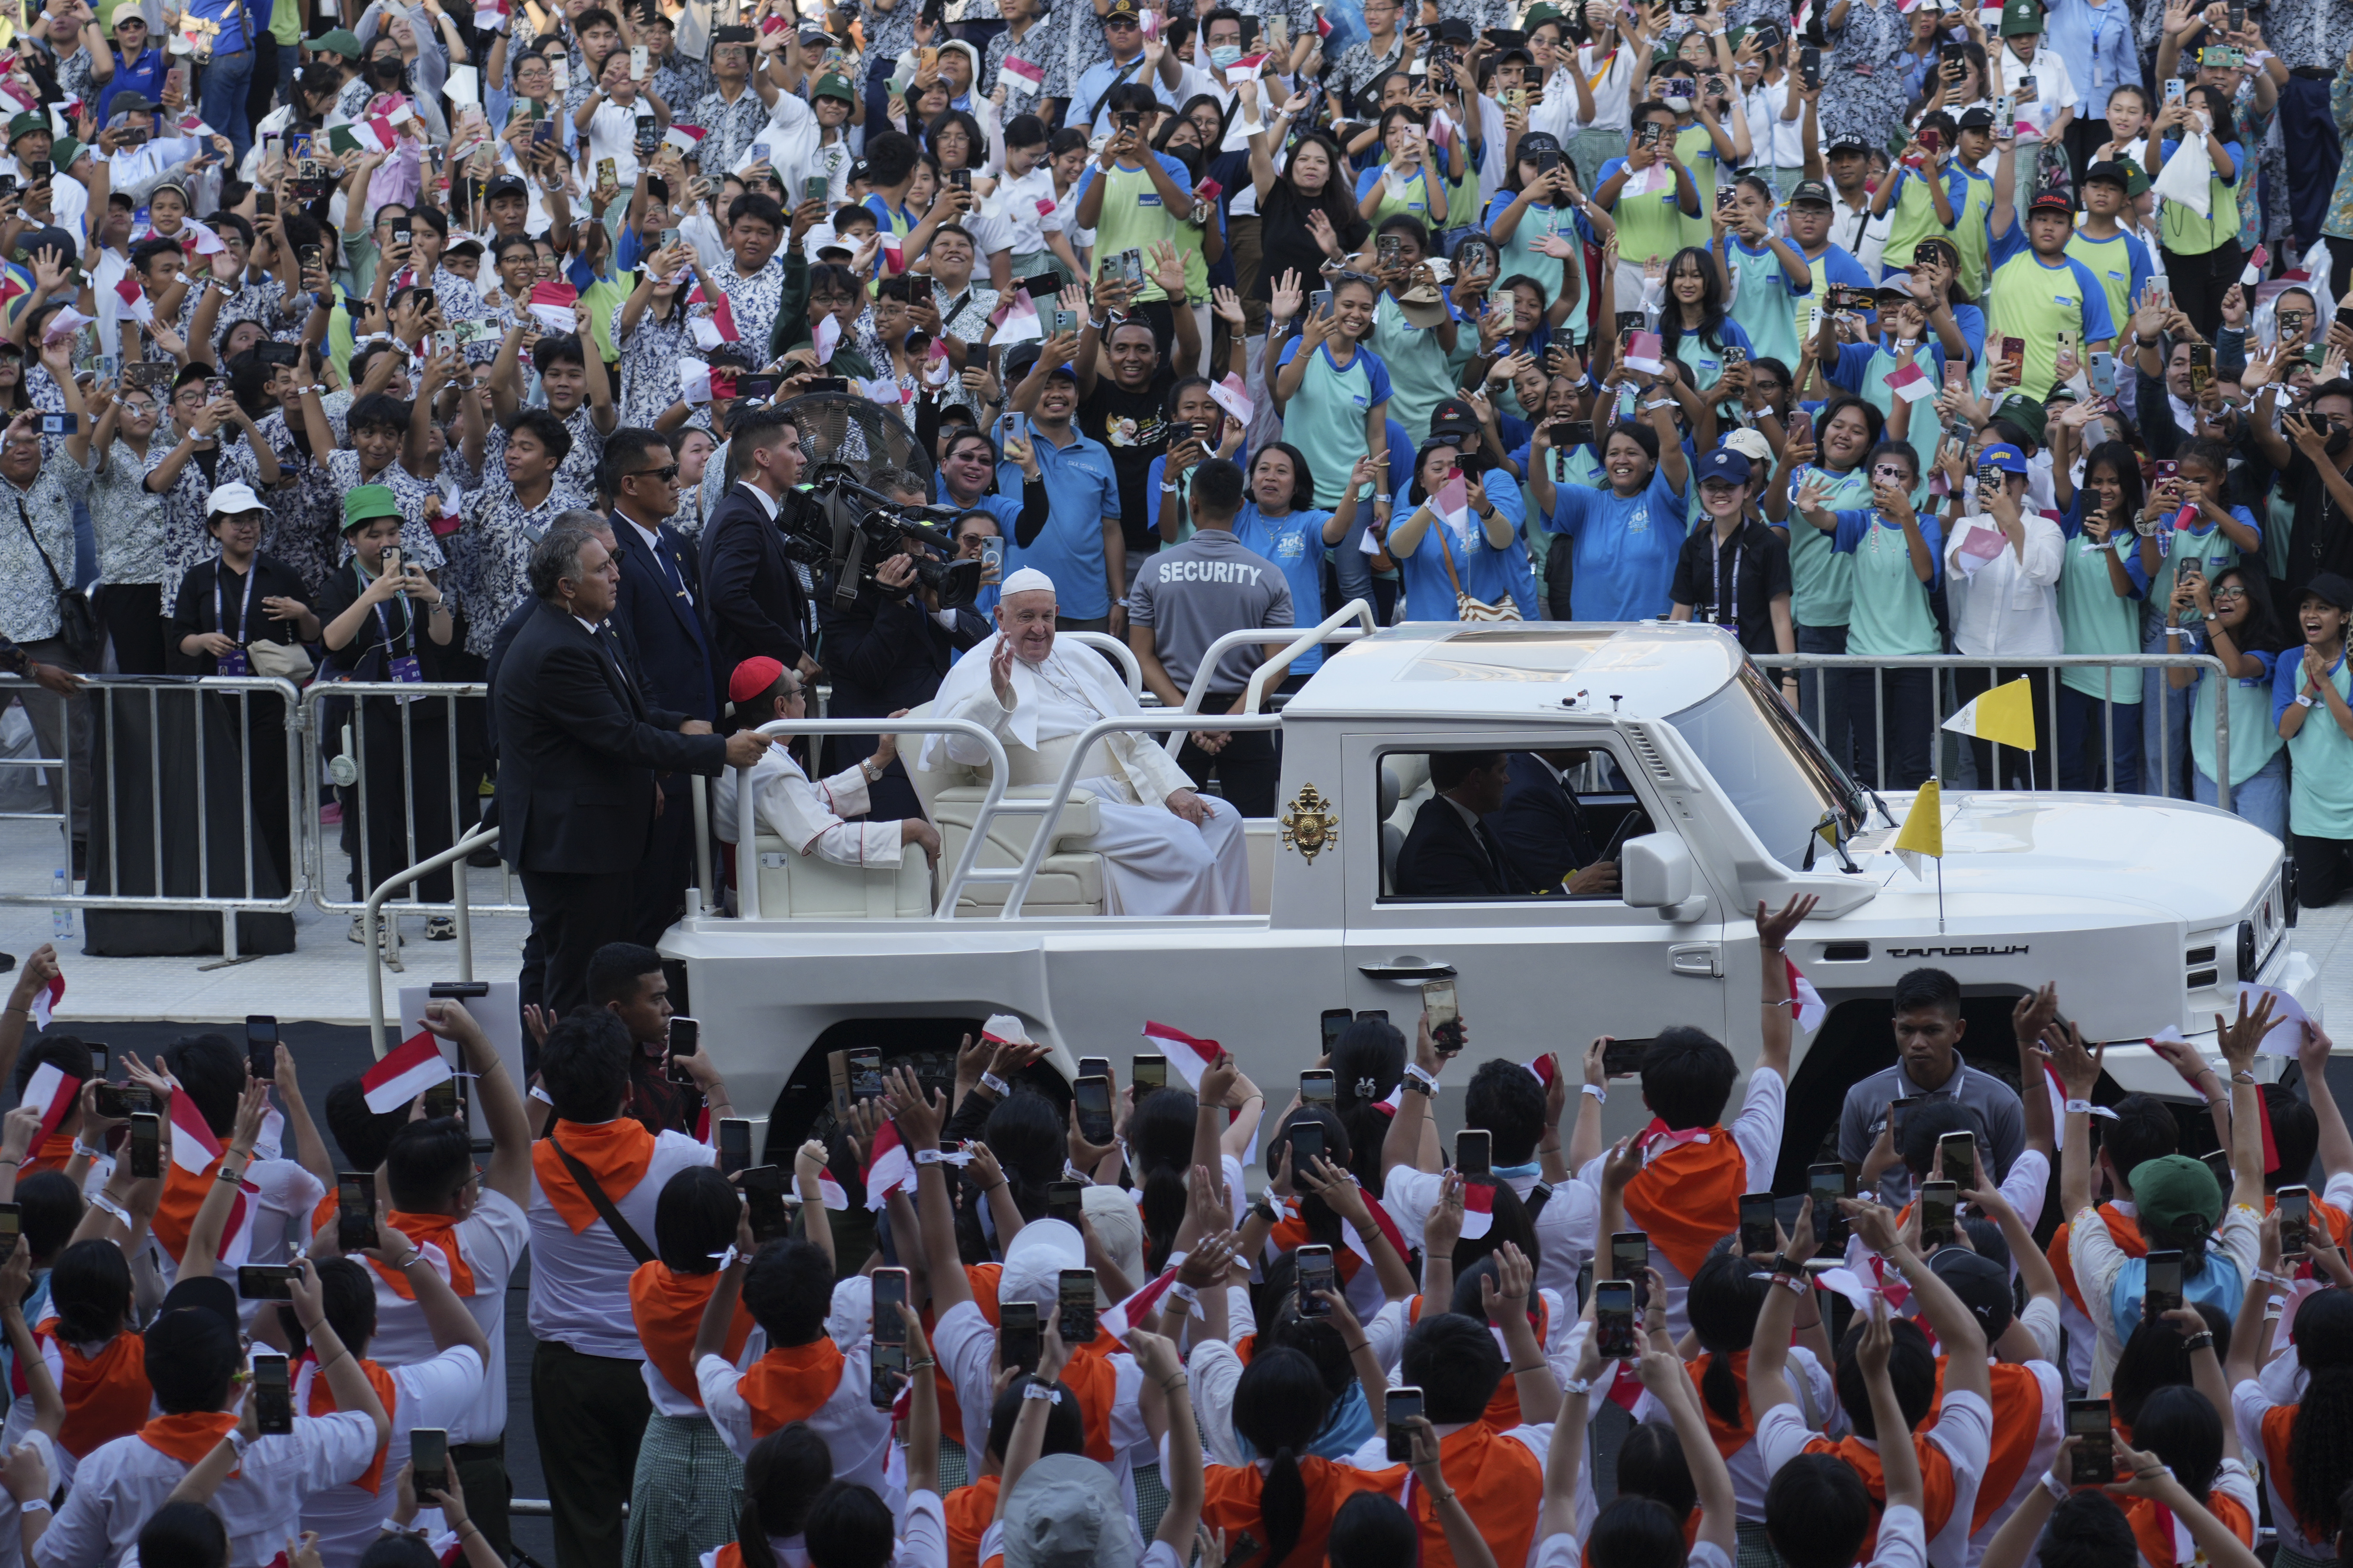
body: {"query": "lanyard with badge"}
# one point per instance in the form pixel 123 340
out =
pixel 398 666
pixel 234 661
pixel 1730 622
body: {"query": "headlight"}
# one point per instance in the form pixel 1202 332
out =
pixel 2247 953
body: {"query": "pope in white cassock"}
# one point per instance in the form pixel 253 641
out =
pixel 1170 851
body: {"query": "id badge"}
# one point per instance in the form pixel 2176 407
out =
pixel 234 662
pixel 405 668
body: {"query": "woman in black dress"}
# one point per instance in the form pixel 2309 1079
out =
pixel 227 605
pixel 388 626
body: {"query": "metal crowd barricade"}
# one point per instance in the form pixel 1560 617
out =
pixel 1941 666
pixel 323 743
pixel 107 697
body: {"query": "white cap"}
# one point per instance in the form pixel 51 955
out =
pixel 1034 1261
pixel 1066 1511
pixel 233 499
pixel 1028 580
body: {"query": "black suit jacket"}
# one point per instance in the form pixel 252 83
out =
pixel 752 598
pixel 883 655
pixel 579 749
pixel 666 634
pixel 1442 859
pixel 1541 825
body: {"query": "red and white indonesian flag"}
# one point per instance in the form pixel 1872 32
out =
pixel 45 1000
pixel 717 328
pixel 199 237
pixel 1245 70
pixel 1382 1223
pixel 1188 1056
pixel 1234 398
pixel 194 1147
pixel 831 1191
pixel 1804 1000
pixel 1542 1069
pixel 889 1167
pixel 491 15
pixel 693 383
pixel 405 1073
pixel 135 303
pixel 1031 78
pixel 64 324
pixel 1478 1209
pixel 1018 320
pixel 552 305
pixel 54 1092
pixel 1454 506
pixel 1132 1311
pixel 685 138
pixel 829 338
pixel 1910 384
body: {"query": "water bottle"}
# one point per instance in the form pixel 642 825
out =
pixel 61 915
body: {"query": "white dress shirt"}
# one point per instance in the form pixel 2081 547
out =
pixel 1567 1227
pixel 858 1434
pixel 120 1487
pixel 427 1394
pixel 809 816
pixel 2011 605
pixel 1964 1431
pixel 492 1240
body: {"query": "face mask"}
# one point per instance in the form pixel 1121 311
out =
pixel 2339 439
pixel 1224 55
pixel 386 70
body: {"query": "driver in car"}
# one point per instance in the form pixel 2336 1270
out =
pixel 1543 826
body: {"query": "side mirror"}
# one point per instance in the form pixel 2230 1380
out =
pixel 1655 873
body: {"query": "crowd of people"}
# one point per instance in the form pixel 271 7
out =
pixel 1865 330
pixel 965 1324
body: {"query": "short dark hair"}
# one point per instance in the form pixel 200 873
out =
pixel 1066 1429
pixel 695 1217
pixel 211 1072
pixel 378 411
pixel 1632 1530
pixel 51 1209
pixel 1024 131
pixel 90 1290
pixel 347 1301
pixel 625 454
pixel 428 1163
pixel 2183 1429
pixel 849 1527
pixel 545 427
pixel 753 205
pixel 68 1051
pixel 583 1063
pixel 1217 485
pixel 1818 1511
pixel 147 250
pixel 1505 1098
pixel 1456 1363
pixel 1926 1124
pixel 596 15
pixel 1447 769
pixel 616 968
pixel 1687 1077
pixel 430 217
pixel 788 1290
pixel 182 1534
pixel 2143 1129
pixel 2086 1530
pixel 563 348
pixel 191 1353
pixel 1911 1367
pixel 364 1136
pixel 1919 988
pixel 505 243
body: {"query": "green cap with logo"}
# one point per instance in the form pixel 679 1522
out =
pixel 833 84
pixel 1538 15
pixel 363 502
pixel 2020 17
pixel 25 124
pixel 2026 414
pixel 64 154
pixel 340 41
pixel 2176 1196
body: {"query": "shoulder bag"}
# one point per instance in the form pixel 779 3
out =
pixel 77 621
pixel 1467 608
pixel 623 1231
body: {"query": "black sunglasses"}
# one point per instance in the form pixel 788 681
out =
pixel 664 474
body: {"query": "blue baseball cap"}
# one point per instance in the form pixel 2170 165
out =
pixel 2006 458
pixel 1724 464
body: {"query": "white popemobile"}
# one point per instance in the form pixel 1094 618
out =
pixel 2148 912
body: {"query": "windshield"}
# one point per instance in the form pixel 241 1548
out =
pixel 1775 773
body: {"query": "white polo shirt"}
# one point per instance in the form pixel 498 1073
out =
pixel 580 1284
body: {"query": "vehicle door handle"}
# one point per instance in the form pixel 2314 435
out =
pixel 1698 958
pixel 1406 969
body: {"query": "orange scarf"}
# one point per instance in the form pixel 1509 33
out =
pixel 1936 1482
pixel 2123 1229
pixel 189 1438
pixel 970 1511
pixel 2152 1525
pixel 1290 1233
pixel 730 1556
pixel 1729 1439
pixel 443 1231
pixel 323 1403
pixel 1502 1412
pixel 791 1382
pixel 1230 1493
pixel 56 1150
pixel 1090 1374
pixel 615 1153
pixel 106 1394
pixel 2279 1426
pixel 2017 1401
pixel 1501 1484
pixel 175 1211
pixel 668 1309
pixel 1687 1198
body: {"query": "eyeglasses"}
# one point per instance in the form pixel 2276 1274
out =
pixel 2232 591
pixel 1887 471
pixel 665 474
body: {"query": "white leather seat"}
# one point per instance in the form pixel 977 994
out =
pixel 808 886
pixel 1070 881
pixel 1405 785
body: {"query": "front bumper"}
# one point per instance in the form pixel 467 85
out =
pixel 2137 1069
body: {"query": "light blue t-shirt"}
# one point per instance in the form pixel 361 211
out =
pixel 1293 542
pixel 1081 490
pixel 1325 417
pixel 1623 568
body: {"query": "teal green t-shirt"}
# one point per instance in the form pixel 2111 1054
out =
pixel 2094 619
pixel 1420 370
pixel 1522 254
pixel 1821 581
pixel 2209 547
pixel 1764 300
pixel 2254 738
pixel 2320 774
pixel 1327 415
pixel 1891 615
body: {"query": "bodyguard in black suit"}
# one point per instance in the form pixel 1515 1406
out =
pixel 1543 827
pixel 657 610
pixel 1450 853
pixel 579 747
pixel 889 652
pixel 753 602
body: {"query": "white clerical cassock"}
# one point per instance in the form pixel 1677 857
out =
pixel 1159 863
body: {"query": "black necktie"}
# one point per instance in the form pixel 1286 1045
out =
pixel 1494 851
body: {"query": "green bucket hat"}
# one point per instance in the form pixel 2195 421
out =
pixel 2176 1195
pixel 26 123
pixel 1538 15
pixel 363 502
pixel 2030 416
pixel 833 84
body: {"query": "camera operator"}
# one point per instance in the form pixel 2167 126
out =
pixel 889 650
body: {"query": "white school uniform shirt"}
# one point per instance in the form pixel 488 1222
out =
pixel 1612 98
pixel 858 1434
pixel 1964 1431
pixel 1816 1397
pixel 613 134
pixel 492 1240
pixel 967 1347
pixel 2049 1431
pixel 277 1221
pixel 580 1284
pixel 1756 1131
pixel 1567 1227
pixel 122 1483
pixel 1565 1549
pixel 2011 605
pixel 1775 142
pixel 430 1394
pixel 1013 206
pixel 2054 90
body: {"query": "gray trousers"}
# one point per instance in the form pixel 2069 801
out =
pixel 62 728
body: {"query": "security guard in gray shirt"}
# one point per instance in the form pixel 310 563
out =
pixel 1185 599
